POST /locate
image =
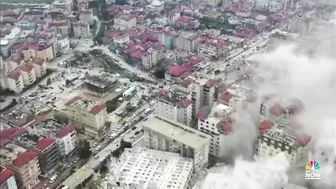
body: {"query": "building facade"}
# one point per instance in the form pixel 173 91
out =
pixel 166 135
pixel 87 115
pixel 23 163
pixel 82 30
pixel 175 105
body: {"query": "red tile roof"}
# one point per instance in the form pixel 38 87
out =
pixel 265 126
pixel 24 158
pixel 137 54
pixel 303 140
pixel 9 134
pixel 227 127
pixel 195 60
pixel 73 100
pixel 226 96
pixel 176 70
pixel 185 103
pixel 211 83
pixel 15 75
pixel 97 109
pixel 5 174
pixel 160 93
pixel 223 87
pixel 44 143
pixel 64 131
pixel 277 110
pixel 27 68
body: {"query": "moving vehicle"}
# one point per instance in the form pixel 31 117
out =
pixel 52 179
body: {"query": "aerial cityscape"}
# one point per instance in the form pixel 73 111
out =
pixel 168 94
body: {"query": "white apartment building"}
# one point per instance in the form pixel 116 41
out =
pixel 175 105
pixel 87 115
pixel 125 21
pixel 152 55
pixel 82 30
pixel 24 163
pixel 40 67
pixel 187 41
pixel 218 125
pixel 63 4
pixel 28 74
pixel 65 135
pixel 61 46
pixel 202 93
pixel 278 132
pixel 140 168
pixel 7 180
pixel 86 16
pixel 234 96
pixel 66 140
pixel 15 81
pixel 170 136
pixel 212 48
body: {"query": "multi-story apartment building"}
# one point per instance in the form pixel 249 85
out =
pixel 81 29
pixel 233 95
pixel 145 168
pixel 15 81
pixel 61 46
pixel 40 67
pixel 7 179
pixel 17 118
pixel 187 41
pixel 170 136
pixel 279 132
pixel 175 105
pixel 38 51
pixel 152 56
pixel 212 48
pixel 202 93
pixel 28 74
pixel 62 27
pixel 63 4
pixel 45 147
pixel 217 123
pixel 86 16
pixel 65 135
pixel 87 115
pixel 125 21
pixel 24 163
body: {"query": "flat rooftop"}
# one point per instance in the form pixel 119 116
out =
pixel 104 81
pixel 161 168
pixel 50 128
pixel 177 131
pixel 38 142
pixel 91 106
pixel 17 118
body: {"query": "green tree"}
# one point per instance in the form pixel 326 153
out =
pixel 84 150
pixel 125 144
pixel 61 117
pixel 116 153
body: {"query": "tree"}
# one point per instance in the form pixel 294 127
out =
pixel 159 74
pixel 124 144
pixel 61 118
pixel 48 81
pixel 103 168
pixel 84 150
pixel 116 153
